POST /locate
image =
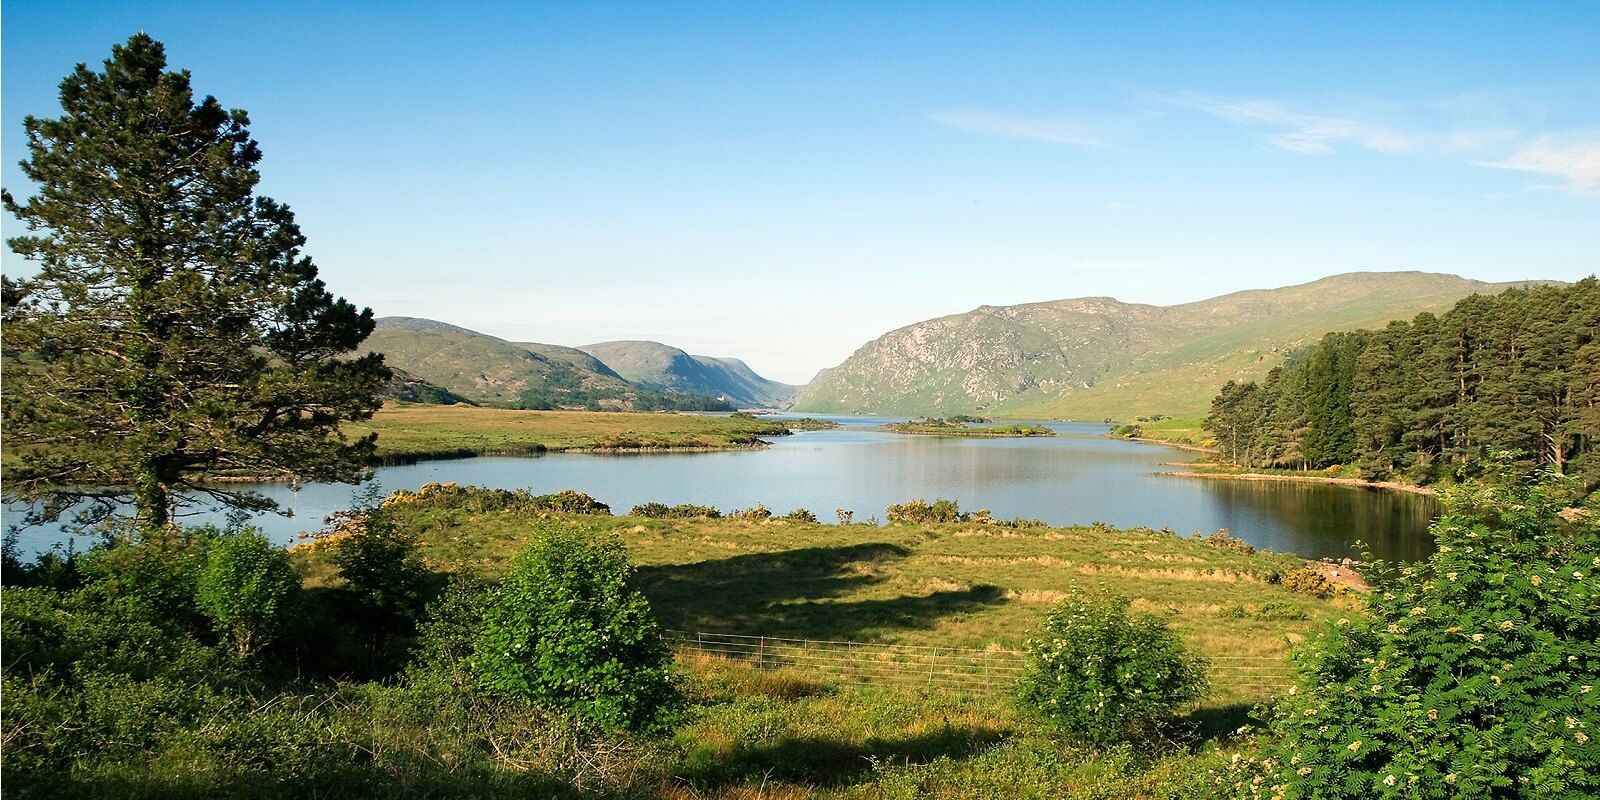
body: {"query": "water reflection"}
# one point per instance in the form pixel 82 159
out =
pixel 1076 477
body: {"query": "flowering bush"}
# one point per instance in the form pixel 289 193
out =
pixel 566 629
pixel 1473 676
pixel 1308 580
pixel 1104 676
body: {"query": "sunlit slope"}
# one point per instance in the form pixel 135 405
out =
pixel 485 369
pixel 1090 358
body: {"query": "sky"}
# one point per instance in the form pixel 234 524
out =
pixel 784 182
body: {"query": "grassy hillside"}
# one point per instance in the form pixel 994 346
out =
pixel 658 366
pixel 1093 358
pixel 423 431
pixel 492 371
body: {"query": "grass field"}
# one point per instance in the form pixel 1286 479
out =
pixel 428 431
pixel 1185 431
pixel 804 733
pixel 956 585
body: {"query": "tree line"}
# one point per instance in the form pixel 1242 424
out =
pixel 1516 373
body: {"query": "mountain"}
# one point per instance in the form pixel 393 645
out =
pixel 484 369
pixel 1096 357
pixel 658 366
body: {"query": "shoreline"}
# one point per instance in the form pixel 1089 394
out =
pixel 407 459
pixel 1407 488
pixel 1163 443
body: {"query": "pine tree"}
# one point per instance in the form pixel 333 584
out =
pixel 174 330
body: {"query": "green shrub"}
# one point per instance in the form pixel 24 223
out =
pixel 1308 581
pixel 922 512
pixel 85 677
pixel 801 515
pixel 450 629
pixel 1103 676
pixel 1223 539
pixel 759 512
pixel 158 574
pixel 568 501
pixel 480 499
pixel 568 630
pixel 680 511
pixel 1472 675
pixel 382 570
pixel 247 588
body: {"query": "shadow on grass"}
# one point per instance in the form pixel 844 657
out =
pixel 793 593
pixel 828 762
pixel 1220 722
pixel 355 781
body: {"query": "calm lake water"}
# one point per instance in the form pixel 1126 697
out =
pixel 1077 477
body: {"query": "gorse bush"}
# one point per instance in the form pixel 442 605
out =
pixel 481 499
pixel 247 588
pixel 1104 676
pixel 1308 581
pixel 680 511
pixel 757 513
pixel 1224 539
pixel 801 515
pixel 1473 675
pixel 567 629
pixel 920 511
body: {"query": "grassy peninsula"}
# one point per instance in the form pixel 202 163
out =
pixel 415 432
pixel 967 426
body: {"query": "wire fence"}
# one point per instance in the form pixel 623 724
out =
pixel 961 669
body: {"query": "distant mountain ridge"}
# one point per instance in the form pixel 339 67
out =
pixel 1095 357
pixel 488 370
pixel 439 362
pixel 659 366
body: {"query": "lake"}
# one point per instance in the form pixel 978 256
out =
pixel 1078 476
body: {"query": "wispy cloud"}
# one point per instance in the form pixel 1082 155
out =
pixel 1307 134
pixel 1575 166
pixel 1572 161
pixel 1324 134
pixel 1081 132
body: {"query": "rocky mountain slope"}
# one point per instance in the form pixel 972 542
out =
pixel 1097 357
pixel 657 366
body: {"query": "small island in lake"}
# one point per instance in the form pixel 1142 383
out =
pixel 967 426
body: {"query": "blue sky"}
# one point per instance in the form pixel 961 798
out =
pixel 783 183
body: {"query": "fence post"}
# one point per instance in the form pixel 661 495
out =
pixel 933 658
pixel 986 670
pixel 761 654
